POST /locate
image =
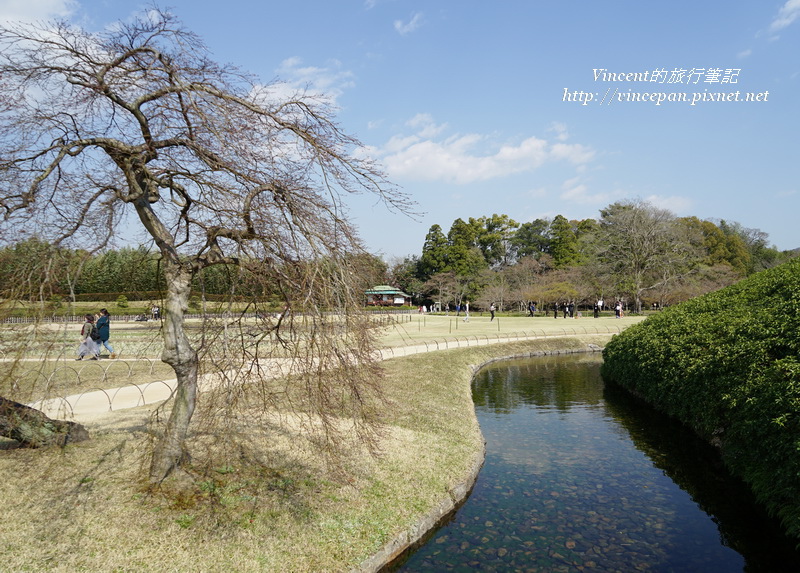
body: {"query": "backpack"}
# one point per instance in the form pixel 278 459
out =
pixel 93 334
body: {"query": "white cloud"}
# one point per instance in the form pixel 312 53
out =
pixel 560 129
pixel 788 13
pixel 404 28
pixel 467 158
pixel 400 142
pixel 574 153
pixel 744 54
pixel 326 82
pixel 576 192
pixel 425 126
pixel 35 10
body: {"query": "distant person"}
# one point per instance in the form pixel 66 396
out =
pixel 566 309
pixel 466 311
pixel 618 310
pixel 156 312
pixel 104 330
pixel 491 311
pixel 596 310
pixel 88 346
pixel 458 309
pixel 555 310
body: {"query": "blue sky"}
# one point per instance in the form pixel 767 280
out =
pixel 464 101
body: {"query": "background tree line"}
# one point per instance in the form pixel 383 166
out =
pixel 35 270
pixel 634 251
pixel 70 273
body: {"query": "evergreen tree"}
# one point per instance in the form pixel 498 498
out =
pixel 464 256
pixel 531 239
pixel 563 242
pixel 434 257
pixel 495 237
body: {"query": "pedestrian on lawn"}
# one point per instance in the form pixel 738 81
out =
pixel 88 345
pixel 104 330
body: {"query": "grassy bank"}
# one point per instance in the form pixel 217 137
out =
pixel 83 509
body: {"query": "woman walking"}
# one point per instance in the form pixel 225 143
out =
pixel 88 345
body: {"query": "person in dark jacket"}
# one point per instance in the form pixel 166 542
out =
pixel 104 330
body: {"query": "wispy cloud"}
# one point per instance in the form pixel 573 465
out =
pixel 35 10
pixel 560 129
pixel 404 28
pixel 576 191
pixel 328 82
pixel 428 155
pixel 425 125
pixel 788 13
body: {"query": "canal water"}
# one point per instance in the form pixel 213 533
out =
pixel 582 477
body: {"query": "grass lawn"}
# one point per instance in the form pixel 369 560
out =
pixel 421 328
pixel 83 508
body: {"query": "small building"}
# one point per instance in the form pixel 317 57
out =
pixel 385 295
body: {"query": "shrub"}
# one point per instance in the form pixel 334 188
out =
pixel 55 302
pixel 122 301
pixel 728 365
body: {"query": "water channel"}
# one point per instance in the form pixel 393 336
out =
pixel 581 477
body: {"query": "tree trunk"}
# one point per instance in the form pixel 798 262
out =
pixel 33 429
pixel 169 452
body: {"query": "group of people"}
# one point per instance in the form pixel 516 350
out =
pixel 568 309
pixel 95 333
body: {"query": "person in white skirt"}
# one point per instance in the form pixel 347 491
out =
pixel 88 345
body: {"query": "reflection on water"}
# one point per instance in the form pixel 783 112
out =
pixel 579 477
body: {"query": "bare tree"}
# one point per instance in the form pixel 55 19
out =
pixel 640 246
pixel 217 169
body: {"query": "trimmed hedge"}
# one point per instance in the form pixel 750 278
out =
pixel 728 365
pixel 146 295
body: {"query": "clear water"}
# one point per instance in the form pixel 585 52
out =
pixel 580 477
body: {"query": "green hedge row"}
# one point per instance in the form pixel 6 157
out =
pixel 147 295
pixel 728 365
